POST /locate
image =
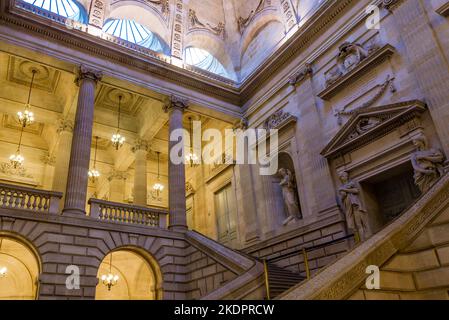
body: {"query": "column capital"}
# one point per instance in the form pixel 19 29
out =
pixel 176 102
pixel 141 144
pixel 65 125
pixel 300 75
pixel 117 175
pixel 85 72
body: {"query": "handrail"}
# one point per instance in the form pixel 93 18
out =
pixel 297 251
pixel 127 214
pixel 24 198
pixel 267 279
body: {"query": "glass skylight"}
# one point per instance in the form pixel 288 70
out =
pixel 134 32
pixel 204 60
pixel 66 8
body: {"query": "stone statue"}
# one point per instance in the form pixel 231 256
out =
pixel 427 163
pixel 289 194
pixel 356 215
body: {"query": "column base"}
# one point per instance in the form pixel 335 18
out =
pixel 179 228
pixel 70 212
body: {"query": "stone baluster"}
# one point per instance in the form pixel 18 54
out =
pixel 75 202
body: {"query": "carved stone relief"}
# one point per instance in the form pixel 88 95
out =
pixel 350 55
pixel 97 12
pixel 196 24
pixel 243 23
pixel 178 31
pixel 278 119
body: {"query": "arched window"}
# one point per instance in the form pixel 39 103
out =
pixel 65 8
pixel 134 32
pixel 204 60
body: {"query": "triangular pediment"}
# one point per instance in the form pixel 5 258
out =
pixel 369 124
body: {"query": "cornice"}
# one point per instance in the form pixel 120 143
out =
pixel 226 91
pixel 73 38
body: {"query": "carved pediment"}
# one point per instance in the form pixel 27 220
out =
pixel 367 125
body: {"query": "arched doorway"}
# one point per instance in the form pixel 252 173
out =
pixel 137 276
pixel 19 270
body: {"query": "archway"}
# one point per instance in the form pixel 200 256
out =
pixel 138 276
pixel 19 270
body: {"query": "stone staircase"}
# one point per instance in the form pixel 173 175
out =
pixel 412 254
pixel 280 279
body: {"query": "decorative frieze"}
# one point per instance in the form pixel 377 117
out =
pixel 178 31
pixel 289 14
pixel 243 23
pixel 382 89
pixel 196 24
pixel 97 13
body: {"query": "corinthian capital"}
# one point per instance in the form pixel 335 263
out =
pixel 176 102
pixel 141 144
pixel 389 4
pixel 65 125
pixel 85 72
pixel 300 75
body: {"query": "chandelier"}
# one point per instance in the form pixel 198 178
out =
pixel 17 159
pixel 27 117
pixel 94 173
pixel 117 139
pixel 110 279
pixel 191 157
pixel 3 270
pixel 158 186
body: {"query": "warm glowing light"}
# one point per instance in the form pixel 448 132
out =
pixel 158 187
pixel 109 280
pixel 16 160
pixel 93 174
pixel 25 118
pixel 117 140
pixel 3 272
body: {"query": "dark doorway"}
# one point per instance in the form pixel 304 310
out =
pixel 390 193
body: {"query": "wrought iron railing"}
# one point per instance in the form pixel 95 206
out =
pixel 23 198
pixel 127 214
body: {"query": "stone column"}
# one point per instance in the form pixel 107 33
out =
pixel 65 131
pixel 176 172
pixel 427 60
pixel 75 202
pixel 117 184
pixel 140 149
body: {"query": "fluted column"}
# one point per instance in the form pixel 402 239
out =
pixel 77 181
pixel 176 172
pixel 65 131
pixel 140 149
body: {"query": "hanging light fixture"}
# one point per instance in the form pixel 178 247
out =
pixel 17 159
pixel 94 173
pixel 158 186
pixel 110 279
pixel 191 157
pixel 27 117
pixel 117 139
pixel 3 270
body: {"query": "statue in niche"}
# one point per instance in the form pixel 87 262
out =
pixel 288 186
pixel 356 215
pixel 427 163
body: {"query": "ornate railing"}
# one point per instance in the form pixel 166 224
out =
pixel 127 214
pixel 16 197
